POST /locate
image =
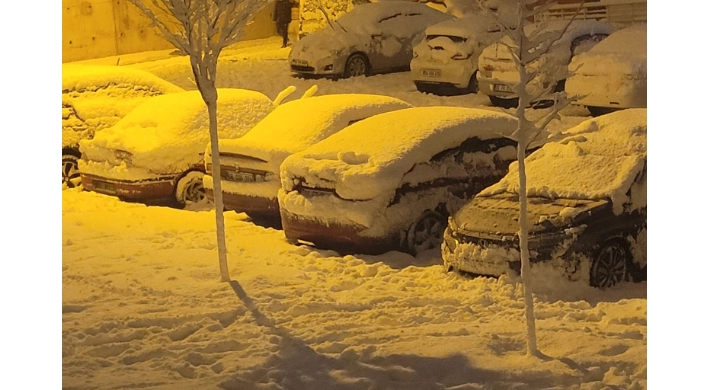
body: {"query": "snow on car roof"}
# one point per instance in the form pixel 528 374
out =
pixel 598 159
pixel 365 17
pixel 466 27
pixel 370 157
pixel 77 77
pixel 295 125
pixel 181 118
pixel 629 41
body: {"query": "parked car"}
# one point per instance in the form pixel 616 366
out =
pixel 612 75
pixel 389 181
pixel 155 153
pixel 372 38
pixel 95 97
pixel 586 208
pixel 497 75
pixel 446 61
pixel 250 164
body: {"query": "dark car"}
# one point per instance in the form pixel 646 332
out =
pixel 586 208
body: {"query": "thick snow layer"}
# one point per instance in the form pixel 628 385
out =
pixel 462 36
pixel 168 134
pixel 295 125
pixel 614 70
pixel 142 307
pixel 598 159
pixel 95 97
pixel 378 29
pixel 372 156
pixel 498 62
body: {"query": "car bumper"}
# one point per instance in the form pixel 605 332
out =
pixel 316 68
pixel 345 238
pixel 454 74
pixel 144 189
pixel 599 91
pixel 246 197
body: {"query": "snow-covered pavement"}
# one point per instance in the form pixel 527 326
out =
pixel 143 307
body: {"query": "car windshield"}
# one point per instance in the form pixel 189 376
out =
pixel 453 38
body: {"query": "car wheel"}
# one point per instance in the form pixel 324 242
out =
pixel 190 190
pixel 503 102
pixel 610 264
pixel 70 171
pixel 426 233
pixel 356 65
pixel 599 111
pixel 472 84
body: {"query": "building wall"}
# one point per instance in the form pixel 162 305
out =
pixel 102 28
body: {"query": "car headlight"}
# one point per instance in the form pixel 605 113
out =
pixel 123 155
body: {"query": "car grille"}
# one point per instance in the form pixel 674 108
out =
pixel 301 68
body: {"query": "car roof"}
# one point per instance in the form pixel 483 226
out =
pixel 297 124
pixel 77 77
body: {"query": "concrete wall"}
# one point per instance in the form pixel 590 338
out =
pixel 102 28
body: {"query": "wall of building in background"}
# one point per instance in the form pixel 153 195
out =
pixel 103 28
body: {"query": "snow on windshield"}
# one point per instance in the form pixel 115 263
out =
pixel 598 159
pixel 172 130
pixel 287 130
pixel 95 97
pixel 622 52
pixel 370 157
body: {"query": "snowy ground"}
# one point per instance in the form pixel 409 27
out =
pixel 142 305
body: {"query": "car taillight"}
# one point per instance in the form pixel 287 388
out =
pixel 488 67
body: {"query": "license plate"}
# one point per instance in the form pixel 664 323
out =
pixel 436 73
pixel 313 192
pixel 502 88
pixel 234 176
pixel 300 62
pixel 104 187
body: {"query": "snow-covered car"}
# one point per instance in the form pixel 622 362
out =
pixel 612 75
pixel 446 61
pixel 389 181
pixel 95 97
pixel 371 38
pixel 497 74
pixel 250 164
pixel 586 208
pixel 155 153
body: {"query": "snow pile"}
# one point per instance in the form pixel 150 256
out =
pixel 295 125
pixel 168 134
pixel 95 97
pixel 372 156
pixel 598 159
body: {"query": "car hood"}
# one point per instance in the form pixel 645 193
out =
pixel 499 215
pixel 323 44
pixel 603 64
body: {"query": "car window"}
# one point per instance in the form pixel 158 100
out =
pixel 453 38
pixel 585 42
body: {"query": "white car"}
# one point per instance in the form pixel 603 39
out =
pixel 372 38
pixel 250 164
pixel 497 74
pixel 446 61
pixel 155 153
pixel 612 75
pixel 95 97
pixel 390 181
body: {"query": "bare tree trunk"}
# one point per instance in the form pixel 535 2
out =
pixel 218 203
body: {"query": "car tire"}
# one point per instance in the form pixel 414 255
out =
pixel 190 190
pixel 503 102
pixel 610 264
pixel 356 65
pixel 426 233
pixel 599 111
pixel 71 177
pixel 472 84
